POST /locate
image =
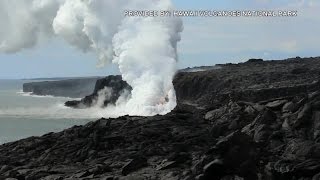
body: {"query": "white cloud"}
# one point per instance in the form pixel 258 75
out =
pixel 263 1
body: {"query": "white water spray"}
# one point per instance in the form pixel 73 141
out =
pixel 144 48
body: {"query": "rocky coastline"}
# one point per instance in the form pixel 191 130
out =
pixel 116 86
pixel 258 120
pixel 73 88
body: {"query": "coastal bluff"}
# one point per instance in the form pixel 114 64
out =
pixel 73 88
pixel 245 121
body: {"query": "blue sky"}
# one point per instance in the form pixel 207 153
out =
pixel 205 41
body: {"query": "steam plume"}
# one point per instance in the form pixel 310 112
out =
pixel 145 48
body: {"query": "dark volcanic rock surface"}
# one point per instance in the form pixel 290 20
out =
pixel 250 81
pixel 255 120
pixel 74 88
pixel 116 86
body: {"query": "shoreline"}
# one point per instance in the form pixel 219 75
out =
pixel 246 120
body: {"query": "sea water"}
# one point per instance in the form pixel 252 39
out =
pixel 23 115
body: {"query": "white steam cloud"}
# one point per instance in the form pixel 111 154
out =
pixel 144 48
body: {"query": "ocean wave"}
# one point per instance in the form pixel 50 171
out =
pixel 56 111
pixel 54 108
pixel 59 111
pixel 30 94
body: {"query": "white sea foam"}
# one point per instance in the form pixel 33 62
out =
pixel 30 94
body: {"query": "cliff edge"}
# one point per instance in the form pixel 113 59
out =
pixel 253 120
pixel 73 88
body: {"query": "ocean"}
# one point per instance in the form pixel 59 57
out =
pixel 23 115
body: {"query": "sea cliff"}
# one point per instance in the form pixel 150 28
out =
pixel 253 120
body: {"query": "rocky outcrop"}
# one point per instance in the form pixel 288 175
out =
pixel 243 121
pixel 74 88
pixel 249 81
pixel 109 89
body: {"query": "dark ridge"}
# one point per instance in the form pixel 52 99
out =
pixel 115 84
pixel 74 88
pixel 253 60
